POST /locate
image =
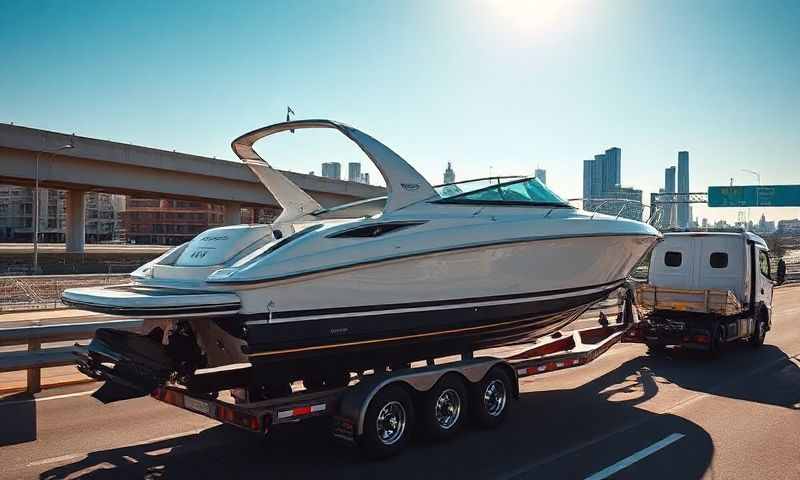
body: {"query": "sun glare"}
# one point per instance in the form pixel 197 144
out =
pixel 531 18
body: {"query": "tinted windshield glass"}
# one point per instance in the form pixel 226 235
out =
pixel 514 192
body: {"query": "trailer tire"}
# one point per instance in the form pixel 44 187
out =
pixel 761 331
pixel 491 398
pixel 444 407
pixel 388 423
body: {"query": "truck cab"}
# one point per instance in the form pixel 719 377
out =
pixel 707 288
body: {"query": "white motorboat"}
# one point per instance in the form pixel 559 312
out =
pixel 424 272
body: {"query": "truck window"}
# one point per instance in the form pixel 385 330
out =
pixel 763 263
pixel 672 259
pixel 719 260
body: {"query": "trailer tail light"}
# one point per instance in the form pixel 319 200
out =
pixel 211 409
pixel 245 420
pixel 168 396
pixel 702 338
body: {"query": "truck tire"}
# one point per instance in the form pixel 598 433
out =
pixel 444 407
pixel 717 341
pixel 761 331
pixel 388 423
pixel 491 398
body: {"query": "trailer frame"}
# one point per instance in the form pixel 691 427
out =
pixel 349 405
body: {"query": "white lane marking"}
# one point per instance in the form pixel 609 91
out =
pixel 44 399
pixel 628 461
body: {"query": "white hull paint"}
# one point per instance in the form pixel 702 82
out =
pixel 507 269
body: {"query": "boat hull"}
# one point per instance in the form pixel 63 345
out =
pixel 287 352
pixel 464 300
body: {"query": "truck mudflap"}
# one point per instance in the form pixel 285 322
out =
pixel 131 365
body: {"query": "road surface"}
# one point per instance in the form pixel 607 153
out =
pixel 627 415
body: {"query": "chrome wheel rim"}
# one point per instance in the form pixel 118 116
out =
pixel 391 422
pixel 448 408
pixel 494 397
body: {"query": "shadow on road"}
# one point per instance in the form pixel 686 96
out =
pixel 559 433
pixel 18 420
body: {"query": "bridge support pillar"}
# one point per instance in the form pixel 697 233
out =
pixel 233 213
pixel 75 231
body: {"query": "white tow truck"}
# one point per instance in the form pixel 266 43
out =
pixel 705 289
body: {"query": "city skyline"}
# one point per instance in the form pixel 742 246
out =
pixel 722 90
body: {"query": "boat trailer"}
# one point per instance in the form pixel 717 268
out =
pixel 485 385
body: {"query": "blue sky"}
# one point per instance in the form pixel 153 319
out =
pixel 509 85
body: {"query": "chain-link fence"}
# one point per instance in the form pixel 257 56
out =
pixel 44 291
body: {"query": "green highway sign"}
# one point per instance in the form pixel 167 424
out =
pixel 754 196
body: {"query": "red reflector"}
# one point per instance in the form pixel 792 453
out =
pixel 254 423
pixel 701 338
pixel 301 411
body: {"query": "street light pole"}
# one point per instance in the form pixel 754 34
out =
pixel 36 204
pixel 758 179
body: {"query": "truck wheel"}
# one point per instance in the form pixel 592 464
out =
pixel 388 423
pixel 717 341
pixel 444 407
pixel 761 332
pixel 491 398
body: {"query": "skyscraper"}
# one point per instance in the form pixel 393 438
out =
pixel 541 174
pixel 332 170
pixel 684 212
pixel 354 172
pixel 365 178
pixel 598 176
pixel 587 183
pixel 449 174
pixel 612 169
pixel 669 187
pixel 602 189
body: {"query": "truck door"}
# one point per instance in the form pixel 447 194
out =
pixel 763 279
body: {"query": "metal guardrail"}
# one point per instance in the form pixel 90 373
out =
pixel 35 357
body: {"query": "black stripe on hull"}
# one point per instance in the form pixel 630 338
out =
pixel 153 311
pixel 436 303
pixel 398 338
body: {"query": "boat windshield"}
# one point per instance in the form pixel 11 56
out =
pixel 500 191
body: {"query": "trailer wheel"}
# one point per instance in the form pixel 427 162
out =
pixel 388 423
pixel 444 407
pixel 491 398
pixel 761 331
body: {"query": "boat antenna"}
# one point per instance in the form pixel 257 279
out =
pixel 289 111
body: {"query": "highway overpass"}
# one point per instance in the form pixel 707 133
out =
pixel 105 166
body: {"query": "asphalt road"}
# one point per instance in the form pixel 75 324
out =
pixel 627 415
